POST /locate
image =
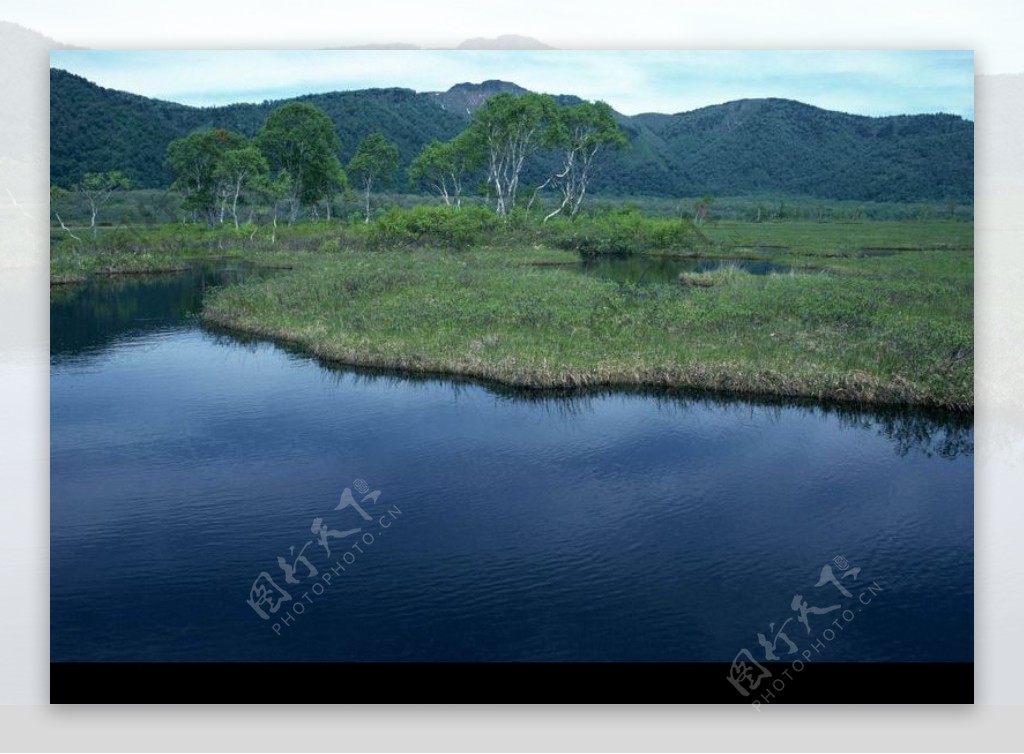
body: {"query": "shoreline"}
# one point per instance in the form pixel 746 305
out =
pixel 843 323
pixel 848 390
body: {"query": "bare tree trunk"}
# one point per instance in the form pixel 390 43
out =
pixel 557 209
pixel 369 183
pixel 65 227
pixel 495 177
pixel 499 197
pixel 567 180
pixel 536 191
pixel 457 191
pixel 234 202
pixel 575 210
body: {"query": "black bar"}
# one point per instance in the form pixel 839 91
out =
pixel 708 683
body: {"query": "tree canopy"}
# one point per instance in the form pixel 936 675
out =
pixel 443 166
pixel 196 162
pixel 510 129
pixel 298 139
pixel 375 162
pixel 581 132
pixel 97 188
pixel 238 169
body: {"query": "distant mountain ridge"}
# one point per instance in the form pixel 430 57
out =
pixel 743 147
pixel 464 99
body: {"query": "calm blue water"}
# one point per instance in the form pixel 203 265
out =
pixel 610 527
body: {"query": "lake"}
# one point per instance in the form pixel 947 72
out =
pixel 497 526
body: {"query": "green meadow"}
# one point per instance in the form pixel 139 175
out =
pixel 867 311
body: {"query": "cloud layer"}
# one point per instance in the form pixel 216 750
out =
pixel 865 82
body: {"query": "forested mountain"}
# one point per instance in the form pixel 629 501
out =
pixel 764 145
pixel 93 129
pixel 742 147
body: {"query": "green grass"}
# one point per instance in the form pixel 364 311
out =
pixel 172 247
pixel 840 239
pixel 149 206
pixel 876 312
pixel 724 275
pixel 878 338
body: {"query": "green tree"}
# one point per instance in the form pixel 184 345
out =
pixel 237 170
pixel 375 161
pixel 300 140
pixel 582 132
pixel 97 188
pixel 444 165
pixel 702 209
pixel 196 162
pixel 509 130
pixel 272 189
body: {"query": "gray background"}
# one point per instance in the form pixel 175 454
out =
pixel 990 28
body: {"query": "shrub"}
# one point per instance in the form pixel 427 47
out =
pixel 625 231
pixel 330 246
pixel 432 226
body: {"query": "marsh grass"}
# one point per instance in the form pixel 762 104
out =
pixel 724 275
pixel 849 239
pixel 876 312
pixel 874 338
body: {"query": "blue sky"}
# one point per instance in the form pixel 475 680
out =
pixel 872 82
